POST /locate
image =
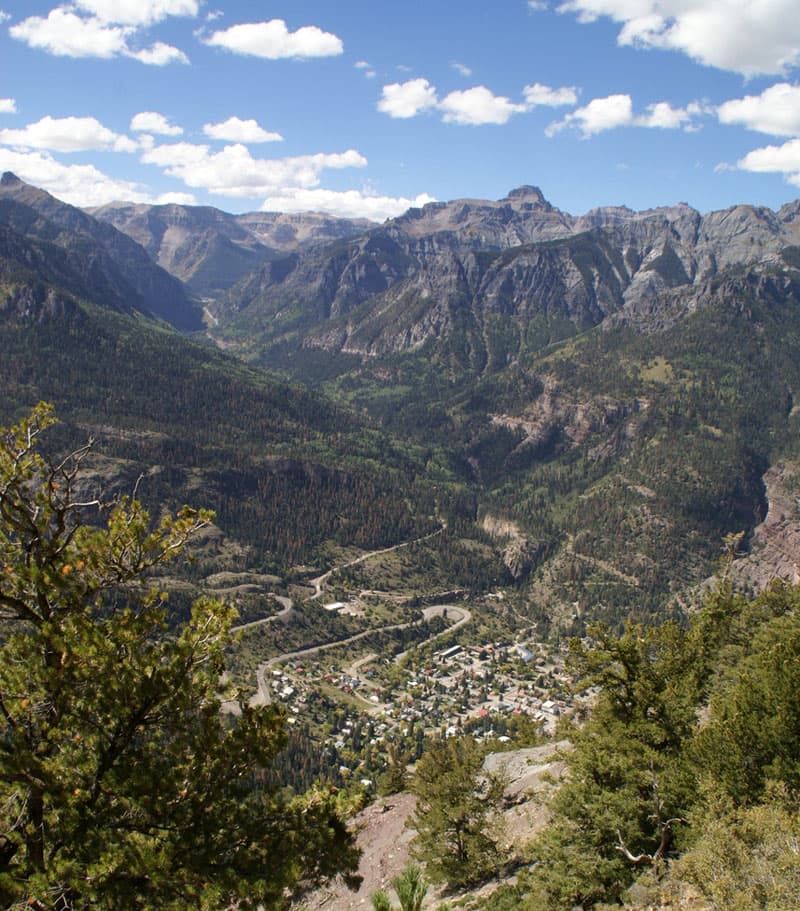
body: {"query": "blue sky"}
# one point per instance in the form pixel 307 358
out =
pixel 364 108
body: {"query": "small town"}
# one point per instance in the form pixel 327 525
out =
pixel 474 688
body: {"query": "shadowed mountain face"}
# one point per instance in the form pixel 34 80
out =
pixel 111 265
pixel 286 470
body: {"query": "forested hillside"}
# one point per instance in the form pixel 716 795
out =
pixel 597 398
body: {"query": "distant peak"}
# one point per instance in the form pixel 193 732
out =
pixel 10 180
pixel 527 192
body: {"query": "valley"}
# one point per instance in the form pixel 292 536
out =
pixel 483 479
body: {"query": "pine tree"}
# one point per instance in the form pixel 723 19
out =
pixel 121 786
pixel 458 827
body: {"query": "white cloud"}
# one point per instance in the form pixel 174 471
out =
pixel 366 68
pixel 235 130
pixel 153 122
pixel 775 111
pixel 68 134
pixel 783 159
pixel 477 106
pixel 538 94
pixel 4 16
pixel 273 41
pixel 615 111
pixel 469 107
pixel 8 106
pixel 234 172
pixel 749 38
pixel 538 6
pixel 138 12
pixel 176 199
pixel 663 116
pixel 159 54
pixel 64 34
pixel 345 204
pixel 407 99
pixel 461 68
pixel 598 115
pixel 79 185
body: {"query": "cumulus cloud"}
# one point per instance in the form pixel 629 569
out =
pixel 159 54
pixel 235 130
pixel 79 185
pixel 598 115
pixel 153 122
pixel 748 38
pixel 8 106
pixel 615 111
pixel 775 111
pixel 235 172
pixel 477 106
pixel 665 117
pixel 345 204
pixel 273 41
pixel 68 134
pixel 65 34
pixel 407 99
pixel 542 95
pixel 783 159
pixel 469 107
pixel 138 12
pixel 461 68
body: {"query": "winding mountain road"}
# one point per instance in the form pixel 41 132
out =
pixel 319 581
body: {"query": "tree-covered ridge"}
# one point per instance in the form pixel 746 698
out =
pixel 285 469
pixel 687 769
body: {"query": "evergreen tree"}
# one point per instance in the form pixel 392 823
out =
pixel 458 827
pixel 121 786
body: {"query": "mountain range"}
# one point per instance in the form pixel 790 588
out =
pixel 591 402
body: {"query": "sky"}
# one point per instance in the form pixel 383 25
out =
pixel 363 108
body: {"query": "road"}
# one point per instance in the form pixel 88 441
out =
pixel 262 695
pixel 283 614
pixel 319 581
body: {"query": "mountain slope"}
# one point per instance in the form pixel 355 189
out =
pixel 103 253
pixel 450 272
pixel 209 250
pixel 612 387
pixel 288 473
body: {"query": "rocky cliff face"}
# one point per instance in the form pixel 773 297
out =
pixel 209 250
pixel 474 268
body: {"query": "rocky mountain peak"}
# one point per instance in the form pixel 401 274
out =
pixel 9 180
pixel 528 193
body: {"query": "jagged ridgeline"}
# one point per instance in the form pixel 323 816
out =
pixel 596 399
pixel 87 322
pixel 615 385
